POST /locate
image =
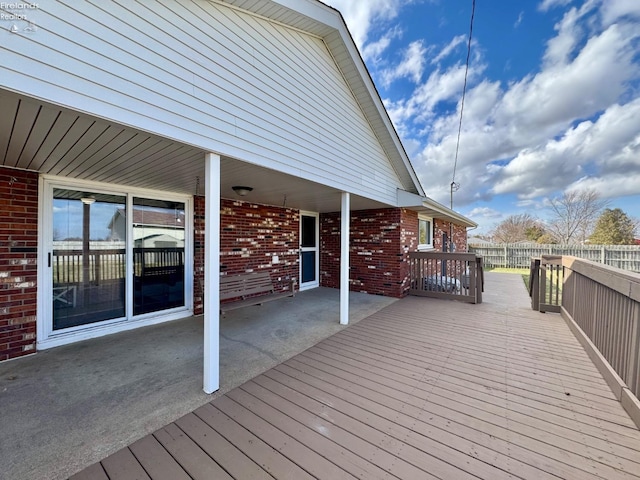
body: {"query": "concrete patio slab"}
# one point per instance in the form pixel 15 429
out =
pixel 68 407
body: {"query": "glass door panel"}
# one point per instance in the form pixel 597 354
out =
pixel 309 240
pixel 158 255
pixel 88 258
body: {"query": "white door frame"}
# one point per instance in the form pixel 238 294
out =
pixel 46 337
pixel 316 249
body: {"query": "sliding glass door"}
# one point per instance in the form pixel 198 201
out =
pixel 112 257
pixel 88 258
pixel 158 255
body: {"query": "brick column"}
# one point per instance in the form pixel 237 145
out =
pixel 18 262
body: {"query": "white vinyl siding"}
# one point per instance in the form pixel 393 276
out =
pixel 206 75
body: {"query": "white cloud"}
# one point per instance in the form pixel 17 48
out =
pixel 450 47
pixel 592 81
pixel 372 51
pixel 411 66
pixel 611 185
pixel 441 87
pixel 614 10
pixel 575 119
pixel 360 16
pixel 608 147
pixel 519 20
pixel 574 122
pixel 561 48
pixel 484 212
pixel 547 5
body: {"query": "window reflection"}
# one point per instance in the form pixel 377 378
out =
pixel 158 255
pixel 88 259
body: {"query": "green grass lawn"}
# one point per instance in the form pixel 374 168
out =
pixel 523 272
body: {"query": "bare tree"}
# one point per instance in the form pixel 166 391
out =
pixel 573 215
pixel 516 228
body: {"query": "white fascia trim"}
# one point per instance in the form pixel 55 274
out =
pixel 315 10
pixel 447 213
pixel 409 199
pixel 431 208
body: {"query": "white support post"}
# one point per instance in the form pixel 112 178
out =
pixel 211 381
pixel 345 215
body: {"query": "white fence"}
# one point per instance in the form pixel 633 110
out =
pixel 517 255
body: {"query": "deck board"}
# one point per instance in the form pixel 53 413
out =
pixel 189 455
pixel 425 388
pixel 216 446
pixel 156 461
pixel 122 465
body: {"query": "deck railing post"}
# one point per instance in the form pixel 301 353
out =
pixel 479 279
pixel 534 284
pixel 634 354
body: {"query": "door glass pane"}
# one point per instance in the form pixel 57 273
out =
pixel 308 231
pixel 158 255
pixel 88 257
pixel 308 267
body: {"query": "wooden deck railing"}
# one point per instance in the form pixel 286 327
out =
pixel 457 276
pixel 605 303
pixel 110 264
pixel 545 283
pixel 601 305
pixel 104 264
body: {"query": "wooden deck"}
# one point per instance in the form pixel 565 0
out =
pixel 423 389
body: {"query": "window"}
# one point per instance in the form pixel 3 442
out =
pixel 425 232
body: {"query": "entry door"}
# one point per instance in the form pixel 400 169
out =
pixel 309 250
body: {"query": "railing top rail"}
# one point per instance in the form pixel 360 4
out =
pixel 622 281
pixel 98 251
pixel 444 255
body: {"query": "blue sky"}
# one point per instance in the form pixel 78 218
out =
pixel 553 97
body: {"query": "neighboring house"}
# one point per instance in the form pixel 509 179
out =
pixel 151 227
pixel 109 110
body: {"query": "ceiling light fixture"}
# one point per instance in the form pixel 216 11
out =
pixel 241 190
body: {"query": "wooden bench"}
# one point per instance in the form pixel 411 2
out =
pixel 249 289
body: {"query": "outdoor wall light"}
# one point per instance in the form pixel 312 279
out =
pixel 88 200
pixel 242 191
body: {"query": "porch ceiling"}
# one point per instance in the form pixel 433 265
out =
pixel 51 140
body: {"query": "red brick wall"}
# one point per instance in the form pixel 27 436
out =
pixel 379 242
pixel 459 235
pixel 250 235
pixel 379 246
pixel 18 262
pixel 198 255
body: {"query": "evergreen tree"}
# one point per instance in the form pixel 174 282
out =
pixel 613 227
